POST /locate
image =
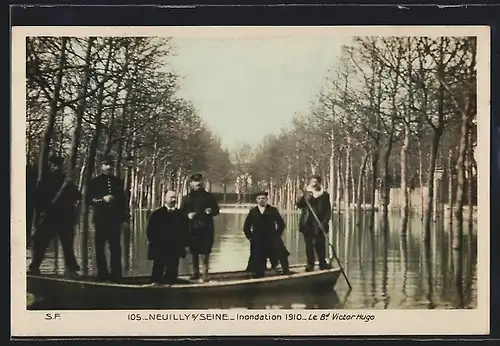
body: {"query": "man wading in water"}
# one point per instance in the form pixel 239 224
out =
pixel 200 207
pixel 314 237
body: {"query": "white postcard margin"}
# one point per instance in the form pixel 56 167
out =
pixel 118 323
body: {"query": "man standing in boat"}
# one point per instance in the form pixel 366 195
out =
pixel 200 207
pixel 314 236
pixel 167 239
pixel 263 227
pixel 110 216
pixel 56 214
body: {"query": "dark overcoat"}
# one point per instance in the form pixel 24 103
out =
pixel 201 228
pixel 63 211
pixel 167 234
pixel 264 231
pixel 322 208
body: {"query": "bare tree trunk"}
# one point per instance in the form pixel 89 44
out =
pixel 374 169
pixel 331 174
pixel 353 184
pixel 450 187
pixel 339 182
pixel 360 188
pixel 421 179
pixel 404 178
pixel 347 177
pixel 460 196
pixel 80 110
pixel 470 194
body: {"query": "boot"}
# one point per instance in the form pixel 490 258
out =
pixel 285 267
pixel 196 268
pixel 205 262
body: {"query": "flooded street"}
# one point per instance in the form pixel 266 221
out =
pixel 386 270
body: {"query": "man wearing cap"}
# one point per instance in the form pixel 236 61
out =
pixel 263 227
pixel 314 237
pixel 110 215
pixel 56 214
pixel 167 239
pixel 200 207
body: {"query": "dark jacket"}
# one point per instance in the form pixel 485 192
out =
pixel 264 232
pixel 117 210
pixel 197 202
pixel 64 207
pixel 322 208
pixel 167 234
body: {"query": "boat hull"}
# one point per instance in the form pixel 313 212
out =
pixel 136 292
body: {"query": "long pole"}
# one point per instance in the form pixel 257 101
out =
pixel 328 241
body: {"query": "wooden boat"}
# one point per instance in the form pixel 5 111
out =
pixel 138 290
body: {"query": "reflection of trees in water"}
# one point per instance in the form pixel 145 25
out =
pixel 386 270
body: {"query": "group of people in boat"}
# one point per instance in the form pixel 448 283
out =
pixel 171 231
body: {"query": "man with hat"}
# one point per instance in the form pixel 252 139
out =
pixel 110 215
pixel 55 201
pixel 319 200
pixel 263 227
pixel 200 207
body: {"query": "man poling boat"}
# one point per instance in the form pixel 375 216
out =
pixel 315 216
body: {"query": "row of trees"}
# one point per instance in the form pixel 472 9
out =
pixel 393 111
pixel 87 97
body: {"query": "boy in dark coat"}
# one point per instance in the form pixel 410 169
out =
pixel 263 227
pixel 167 236
pixel 200 207
pixel 313 235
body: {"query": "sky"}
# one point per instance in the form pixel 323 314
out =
pixel 246 88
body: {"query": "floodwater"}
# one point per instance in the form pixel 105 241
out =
pixel 386 270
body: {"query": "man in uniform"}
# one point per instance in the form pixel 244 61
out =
pixel 200 207
pixel 263 227
pixel 314 237
pixel 167 239
pixel 56 215
pixel 110 215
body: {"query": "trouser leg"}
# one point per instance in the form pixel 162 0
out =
pixel 100 240
pixel 115 247
pixel 285 266
pixel 319 245
pixel 172 270
pixel 205 259
pixel 260 260
pixel 66 235
pixel 196 266
pixel 309 240
pixel 41 240
pixel 158 270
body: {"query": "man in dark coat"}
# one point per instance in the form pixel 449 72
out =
pixel 110 215
pixel 56 215
pixel 167 237
pixel 314 237
pixel 263 227
pixel 200 207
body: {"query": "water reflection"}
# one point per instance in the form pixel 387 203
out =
pixel 387 269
